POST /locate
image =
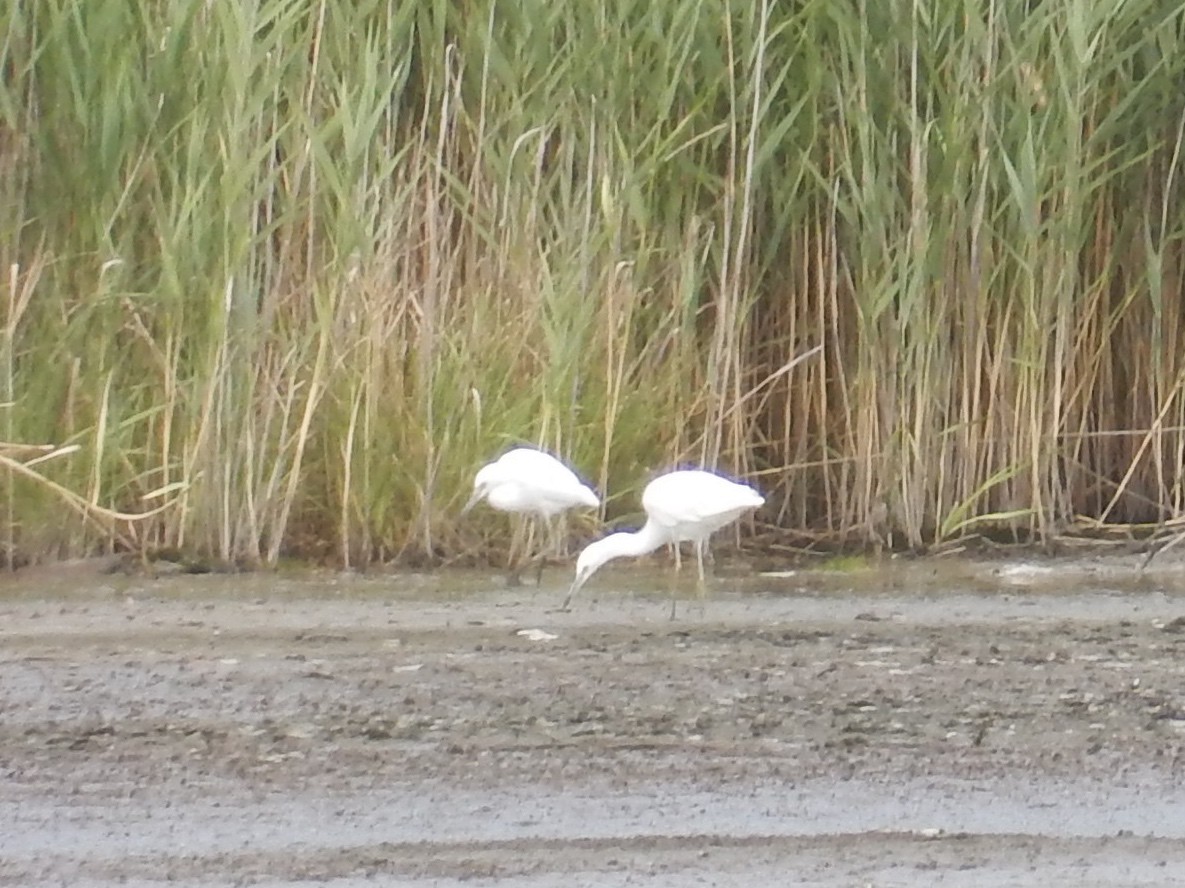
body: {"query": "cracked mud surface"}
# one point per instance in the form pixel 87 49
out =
pixel 962 724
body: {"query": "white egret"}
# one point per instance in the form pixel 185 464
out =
pixel 687 505
pixel 533 483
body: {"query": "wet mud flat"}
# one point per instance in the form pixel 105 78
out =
pixel 1012 723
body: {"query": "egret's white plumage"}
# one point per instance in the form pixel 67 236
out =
pixel 530 482
pixel 684 506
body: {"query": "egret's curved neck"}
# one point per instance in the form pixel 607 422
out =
pixel 639 542
pixel 616 545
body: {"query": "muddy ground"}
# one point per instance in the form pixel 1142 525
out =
pixel 933 723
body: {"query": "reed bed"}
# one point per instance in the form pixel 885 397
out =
pixel 285 272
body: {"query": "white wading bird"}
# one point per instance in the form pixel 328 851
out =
pixel 688 505
pixel 530 482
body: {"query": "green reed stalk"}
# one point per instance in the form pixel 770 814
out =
pixel 305 265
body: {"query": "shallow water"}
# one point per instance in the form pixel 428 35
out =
pixel 445 814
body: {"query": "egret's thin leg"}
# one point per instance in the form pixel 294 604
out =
pixel 514 558
pixel 702 589
pixel 674 580
pixel 529 552
pixel 548 544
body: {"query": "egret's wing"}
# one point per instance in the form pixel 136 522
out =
pixel 695 497
pixel 527 463
pixel 544 476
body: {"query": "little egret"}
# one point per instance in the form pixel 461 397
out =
pixel 687 505
pixel 530 482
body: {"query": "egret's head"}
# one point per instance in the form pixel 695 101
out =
pixel 483 482
pixel 587 563
pixel 591 559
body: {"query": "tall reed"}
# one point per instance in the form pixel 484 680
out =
pixel 304 265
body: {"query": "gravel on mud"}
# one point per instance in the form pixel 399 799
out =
pixel 977 726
